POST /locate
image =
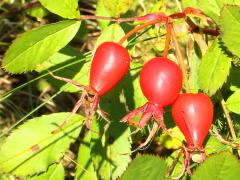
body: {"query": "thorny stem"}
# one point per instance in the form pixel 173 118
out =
pixel 229 121
pixel 180 59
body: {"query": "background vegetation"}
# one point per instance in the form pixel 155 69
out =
pixel 32 103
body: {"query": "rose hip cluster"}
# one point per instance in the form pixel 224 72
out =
pixel 161 83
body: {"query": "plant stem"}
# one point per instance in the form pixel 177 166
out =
pixel 92 17
pixel 180 59
pixel 167 41
pixel 136 29
pixel 199 39
pixel 229 121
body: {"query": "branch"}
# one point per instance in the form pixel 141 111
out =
pixel 180 60
pixel 229 121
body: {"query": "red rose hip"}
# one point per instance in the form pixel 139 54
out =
pixel 193 114
pixel 161 83
pixel 110 63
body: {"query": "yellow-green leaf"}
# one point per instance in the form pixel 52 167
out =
pixel 36 46
pixel 117 7
pixel 65 8
pixel 233 102
pixel 214 69
pixel 222 166
pixel 32 147
pixel 146 167
pixel 174 141
pixel 230 28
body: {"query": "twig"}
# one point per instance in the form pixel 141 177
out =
pixel 174 163
pixel 229 121
pixel 199 39
pixel 136 29
pixel 180 60
pixel 168 38
pixel 224 141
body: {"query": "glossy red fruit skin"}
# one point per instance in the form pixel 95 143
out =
pixel 161 81
pixel 110 63
pixel 193 114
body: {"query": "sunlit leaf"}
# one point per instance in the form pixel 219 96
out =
pixel 211 8
pixel 214 69
pixel 65 8
pixel 117 7
pixel 146 167
pixel 111 151
pixel 36 46
pixel 230 33
pixel 114 33
pixel 55 171
pixel 38 12
pixel 102 11
pixel 172 141
pixel 32 147
pixel 222 166
pixel 233 102
pixel 77 68
pixel 85 169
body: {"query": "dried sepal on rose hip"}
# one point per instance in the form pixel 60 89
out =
pixel 110 63
pixel 161 83
pixel 193 114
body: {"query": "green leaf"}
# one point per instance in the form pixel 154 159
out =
pixel 179 164
pixel 78 67
pixel 117 7
pixel 85 169
pixel 146 167
pixel 222 166
pixel 174 141
pixel 7 177
pixel 38 12
pixel 213 145
pixel 132 89
pixel 32 147
pixel 211 8
pixel 114 33
pixel 65 8
pixel 230 28
pixel 233 102
pixel 111 151
pixel 55 171
pixel 102 11
pixel 214 69
pixel 233 78
pixel 36 46
pixel 195 63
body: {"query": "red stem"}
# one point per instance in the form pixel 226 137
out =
pixel 167 41
pixel 138 28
